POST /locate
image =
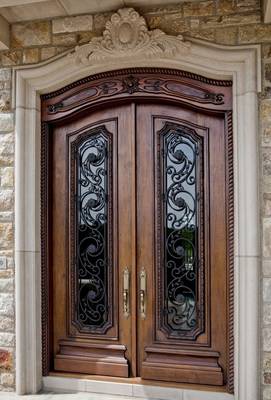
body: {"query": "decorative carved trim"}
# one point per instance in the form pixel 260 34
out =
pixel 127 35
pixel 230 227
pixel 216 98
pixel 45 283
pixel 131 71
pixel 52 108
pixel 130 84
pixel 149 84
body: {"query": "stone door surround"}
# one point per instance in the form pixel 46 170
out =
pixel 126 43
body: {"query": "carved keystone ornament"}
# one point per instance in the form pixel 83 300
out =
pixel 127 34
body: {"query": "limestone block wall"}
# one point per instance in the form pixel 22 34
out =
pixel 7 337
pixel 228 22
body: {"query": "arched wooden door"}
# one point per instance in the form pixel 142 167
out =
pixel 137 227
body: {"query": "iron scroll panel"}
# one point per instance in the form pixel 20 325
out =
pixel 181 262
pixel 92 283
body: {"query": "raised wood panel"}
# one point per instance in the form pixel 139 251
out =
pixel 82 357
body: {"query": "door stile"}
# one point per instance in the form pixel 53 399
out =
pixel 134 344
pixel 127 229
pixel 145 223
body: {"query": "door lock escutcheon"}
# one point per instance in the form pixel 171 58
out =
pixel 126 292
pixel 142 293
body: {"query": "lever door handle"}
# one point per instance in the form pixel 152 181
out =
pixel 126 293
pixel 142 293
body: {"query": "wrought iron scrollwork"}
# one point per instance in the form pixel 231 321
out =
pixel 216 98
pixel 52 108
pixel 130 84
pixel 92 247
pixel 180 169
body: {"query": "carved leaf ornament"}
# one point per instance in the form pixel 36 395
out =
pixel 127 35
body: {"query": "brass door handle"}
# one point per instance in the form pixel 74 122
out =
pixel 126 293
pixel 142 293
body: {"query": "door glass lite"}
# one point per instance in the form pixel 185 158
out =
pixel 93 261
pixel 180 167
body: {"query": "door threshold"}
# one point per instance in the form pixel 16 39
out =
pixel 131 387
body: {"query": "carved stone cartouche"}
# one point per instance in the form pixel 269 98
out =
pixel 127 35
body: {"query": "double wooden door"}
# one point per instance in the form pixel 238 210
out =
pixel 138 243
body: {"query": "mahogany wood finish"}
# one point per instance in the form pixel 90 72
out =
pixel 205 356
pixel 117 121
pixel 134 105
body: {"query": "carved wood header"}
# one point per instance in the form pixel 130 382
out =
pixel 152 83
pixel 127 35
